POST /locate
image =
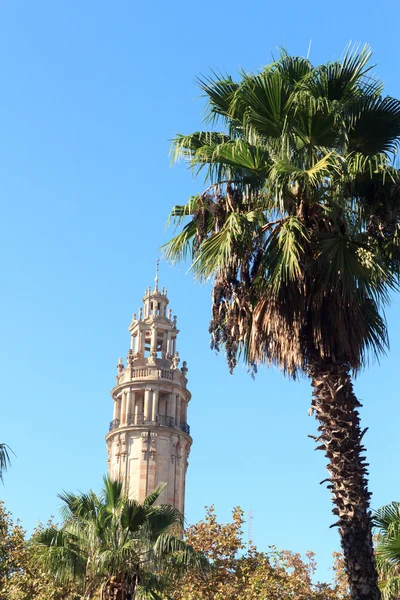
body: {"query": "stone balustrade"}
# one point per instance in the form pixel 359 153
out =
pixel 157 373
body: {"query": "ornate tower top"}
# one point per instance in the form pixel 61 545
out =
pixel 154 330
pixel 149 438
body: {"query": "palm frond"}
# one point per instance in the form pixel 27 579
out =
pixel 153 496
pixel 217 252
pixel 387 519
pixel 58 551
pixel 374 125
pixel 285 253
pixel 112 493
pixel 342 80
pixel 219 91
pixel 168 545
pixel 5 461
pixel 188 146
pixel 259 103
pixel 178 248
pixel 161 518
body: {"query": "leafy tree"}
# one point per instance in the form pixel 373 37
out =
pixel 387 523
pixel 110 543
pixel 299 231
pixel 240 573
pixel 21 576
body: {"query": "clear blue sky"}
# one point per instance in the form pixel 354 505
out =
pixel 91 94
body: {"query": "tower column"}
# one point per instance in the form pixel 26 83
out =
pixel 168 343
pixel 172 406
pixel 128 406
pixel 115 413
pixel 135 404
pixel 123 408
pixel 118 406
pixel 184 416
pixel 154 406
pixel 140 345
pixel 153 338
pixel 178 416
pixel 146 408
pixel 165 345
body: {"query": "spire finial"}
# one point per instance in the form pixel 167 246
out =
pixel 156 278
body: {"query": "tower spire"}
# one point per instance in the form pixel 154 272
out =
pixel 156 277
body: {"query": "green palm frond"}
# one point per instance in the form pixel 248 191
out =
pixel 178 248
pixel 5 461
pixel 60 553
pixel 259 103
pixel 283 172
pixel 351 266
pixel 219 91
pixel 389 549
pixel 285 253
pixel 184 555
pixel 390 588
pixel 112 493
pixel 387 519
pixel 293 69
pixel 374 125
pixel 161 518
pixel 217 252
pixel 374 334
pixel 197 144
pixel 153 497
pixel 239 154
pixel 78 506
pixel 343 79
pixel 370 165
pixel 133 515
pixel 180 212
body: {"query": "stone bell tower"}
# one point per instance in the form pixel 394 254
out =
pixel 149 439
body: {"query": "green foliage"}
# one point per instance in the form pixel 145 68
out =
pixel 21 575
pixel 4 459
pixel 116 545
pixel 298 228
pixel 244 572
pixel 386 520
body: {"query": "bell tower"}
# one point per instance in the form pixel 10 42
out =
pixel 149 439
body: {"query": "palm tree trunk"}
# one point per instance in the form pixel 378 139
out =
pixel 340 436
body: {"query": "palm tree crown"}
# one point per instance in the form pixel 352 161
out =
pixel 299 227
pixel 115 544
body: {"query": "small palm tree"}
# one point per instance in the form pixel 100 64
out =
pixel 113 544
pixel 299 231
pixel 386 520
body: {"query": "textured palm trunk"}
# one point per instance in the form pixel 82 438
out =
pixel 116 591
pixel 340 436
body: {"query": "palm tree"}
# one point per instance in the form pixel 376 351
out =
pixel 4 459
pixel 109 542
pixel 386 520
pixel 298 229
